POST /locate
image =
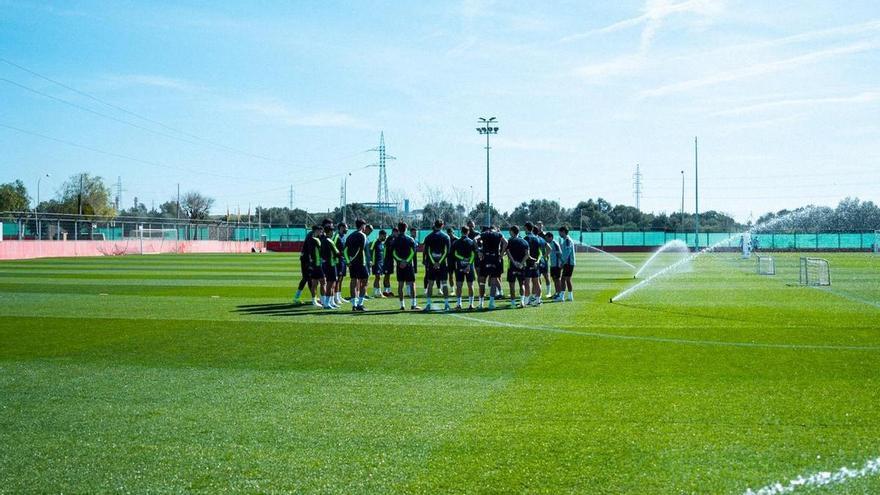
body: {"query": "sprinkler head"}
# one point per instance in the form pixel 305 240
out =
pixel 611 300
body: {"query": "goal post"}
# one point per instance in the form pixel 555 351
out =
pixel 815 272
pixel 766 265
pixel 162 235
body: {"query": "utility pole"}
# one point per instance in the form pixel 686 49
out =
pixel 696 197
pixel 290 198
pixel 79 199
pixel 36 208
pixel 488 128
pixel 118 192
pixel 637 187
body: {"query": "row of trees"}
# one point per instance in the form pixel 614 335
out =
pixel 89 195
pixel 85 194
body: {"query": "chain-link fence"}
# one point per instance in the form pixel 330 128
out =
pixel 28 226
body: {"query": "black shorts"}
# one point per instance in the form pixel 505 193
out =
pixel 379 268
pixel 305 267
pixel 531 270
pixel 555 272
pixel 341 269
pixel 406 274
pixel 567 270
pixel 491 266
pixel 464 271
pixel 514 274
pixel 440 273
pixel 542 268
pixel 316 273
pixel 359 272
pixel 330 272
pixel 388 265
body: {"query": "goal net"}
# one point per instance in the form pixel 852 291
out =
pixel 766 265
pixel 142 233
pixel 815 271
pixel 154 241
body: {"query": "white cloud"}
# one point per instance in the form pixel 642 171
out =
pixel 653 14
pixel 760 69
pixel 153 81
pixel 280 113
pixel 623 65
pixel 864 97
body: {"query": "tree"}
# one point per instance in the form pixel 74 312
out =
pixel 196 206
pixel 536 210
pixel 13 196
pixel 83 194
pixel 442 210
pixel 478 215
pixel 354 211
pixel 591 215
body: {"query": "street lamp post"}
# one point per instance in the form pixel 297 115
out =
pixel 488 128
pixel 36 208
pixel 345 195
pixel 682 200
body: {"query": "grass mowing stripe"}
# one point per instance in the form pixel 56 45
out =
pixel 665 340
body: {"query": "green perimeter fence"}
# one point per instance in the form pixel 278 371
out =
pixel 57 229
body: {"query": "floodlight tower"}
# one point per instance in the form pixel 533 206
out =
pixel 487 127
pixel 696 198
pixel 382 196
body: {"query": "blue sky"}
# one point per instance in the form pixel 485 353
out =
pixel 784 96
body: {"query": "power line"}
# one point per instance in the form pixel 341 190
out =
pixel 111 153
pixel 193 137
pixel 137 115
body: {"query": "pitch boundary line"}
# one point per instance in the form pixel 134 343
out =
pixel 849 297
pixel 667 340
pixel 822 478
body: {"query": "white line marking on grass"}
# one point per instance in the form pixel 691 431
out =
pixel 849 297
pixel 824 478
pixel 667 340
pixel 103 294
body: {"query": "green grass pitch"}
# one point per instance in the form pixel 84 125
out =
pixel 191 373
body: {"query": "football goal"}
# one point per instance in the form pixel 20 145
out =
pixel 151 235
pixel 766 265
pixel 815 272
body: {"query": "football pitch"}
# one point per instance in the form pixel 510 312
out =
pixel 173 373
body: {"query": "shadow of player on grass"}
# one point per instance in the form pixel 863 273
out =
pixel 290 309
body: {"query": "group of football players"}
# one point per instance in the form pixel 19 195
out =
pixel 451 261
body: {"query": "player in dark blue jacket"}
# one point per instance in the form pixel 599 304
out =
pixel 377 261
pixel 532 273
pixel 464 254
pixel 355 255
pixel 492 246
pixel 518 255
pixel 307 260
pixel 434 256
pixel 404 253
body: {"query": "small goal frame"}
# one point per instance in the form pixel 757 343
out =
pixel 813 278
pixel 766 265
